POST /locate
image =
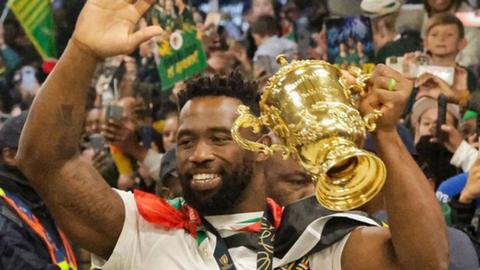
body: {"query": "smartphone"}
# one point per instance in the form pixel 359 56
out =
pixel 97 141
pixel 114 112
pixel 441 119
pixel 143 92
pixel 146 135
pixel 117 78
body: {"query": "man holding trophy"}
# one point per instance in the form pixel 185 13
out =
pixel 226 221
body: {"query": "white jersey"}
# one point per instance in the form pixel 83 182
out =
pixel 143 245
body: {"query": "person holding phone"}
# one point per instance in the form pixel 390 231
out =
pixel 444 40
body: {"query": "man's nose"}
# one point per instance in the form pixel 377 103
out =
pixel 202 153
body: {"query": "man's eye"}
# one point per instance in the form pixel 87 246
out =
pixel 184 142
pixel 220 139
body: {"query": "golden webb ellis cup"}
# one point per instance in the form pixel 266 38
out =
pixel 309 105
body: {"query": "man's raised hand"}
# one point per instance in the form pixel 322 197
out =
pixel 107 27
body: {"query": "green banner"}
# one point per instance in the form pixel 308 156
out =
pixel 179 52
pixel 36 18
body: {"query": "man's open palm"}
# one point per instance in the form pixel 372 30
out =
pixel 106 27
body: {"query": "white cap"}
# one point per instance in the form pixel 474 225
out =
pixel 375 8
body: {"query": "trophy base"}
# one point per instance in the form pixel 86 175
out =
pixel 348 177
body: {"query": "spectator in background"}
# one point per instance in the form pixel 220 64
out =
pixel 10 58
pixel 29 237
pixel 462 193
pixel 93 123
pixel 470 56
pixel 383 14
pixel 387 41
pixel 168 185
pixel 287 181
pixel 424 121
pixel 444 40
pixel 262 7
pixel 424 117
pixel 270 45
pixel 169 132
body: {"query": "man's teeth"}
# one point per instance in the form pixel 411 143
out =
pixel 204 176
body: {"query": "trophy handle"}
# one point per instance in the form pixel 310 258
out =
pixel 247 120
pixel 360 81
pixel 370 119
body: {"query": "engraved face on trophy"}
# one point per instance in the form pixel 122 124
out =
pixel 310 106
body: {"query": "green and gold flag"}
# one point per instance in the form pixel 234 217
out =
pixel 179 53
pixel 36 18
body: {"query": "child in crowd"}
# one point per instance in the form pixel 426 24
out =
pixel 444 39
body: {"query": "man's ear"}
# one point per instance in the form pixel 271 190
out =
pixel 462 43
pixel 267 140
pixel 8 156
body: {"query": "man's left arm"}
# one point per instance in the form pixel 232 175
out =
pixel 416 237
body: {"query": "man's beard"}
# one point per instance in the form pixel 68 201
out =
pixel 226 197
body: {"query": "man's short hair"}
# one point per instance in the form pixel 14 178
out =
pixel 446 19
pixel 265 25
pixel 233 86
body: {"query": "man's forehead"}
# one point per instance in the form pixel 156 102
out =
pixel 209 110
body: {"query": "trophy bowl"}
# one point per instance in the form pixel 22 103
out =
pixel 311 108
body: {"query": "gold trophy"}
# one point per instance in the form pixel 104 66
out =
pixel 309 105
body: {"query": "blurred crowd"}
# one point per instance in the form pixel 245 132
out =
pixel 130 128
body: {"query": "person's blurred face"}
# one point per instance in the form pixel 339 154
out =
pixel 128 105
pixel 287 182
pixel 179 3
pixel 214 171
pixel 169 134
pixel 359 47
pixel 220 62
pixel 443 40
pixel 428 123
pixel 198 19
pixel 440 5
pixel 169 6
pixel 468 128
pixel 93 121
pixel 262 7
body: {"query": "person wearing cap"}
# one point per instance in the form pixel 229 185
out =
pixel 29 237
pixel 168 186
pixel 424 118
pixel 383 14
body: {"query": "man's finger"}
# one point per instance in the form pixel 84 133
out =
pixel 381 82
pixel 384 71
pixel 143 35
pixel 384 95
pixel 143 5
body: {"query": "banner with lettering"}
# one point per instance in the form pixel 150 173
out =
pixel 36 18
pixel 179 53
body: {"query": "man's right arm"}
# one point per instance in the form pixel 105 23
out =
pixel 85 207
